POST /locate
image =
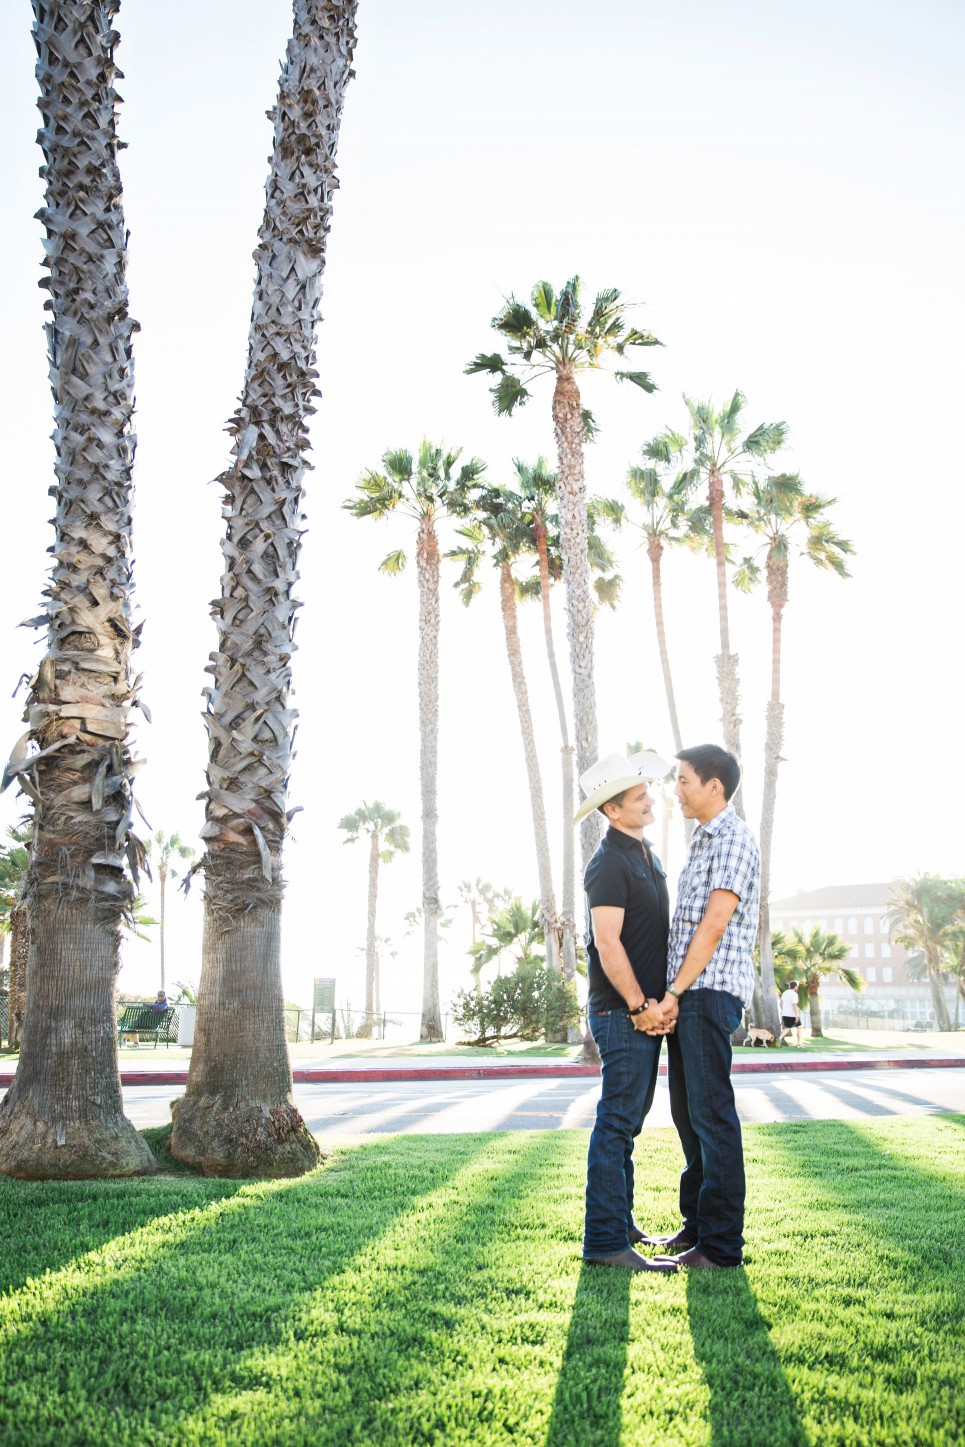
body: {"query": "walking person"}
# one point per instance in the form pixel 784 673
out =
pixel 710 973
pixel 790 1011
pixel 628 919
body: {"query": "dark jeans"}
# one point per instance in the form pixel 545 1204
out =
pixel 630 1060
pixel 703 1110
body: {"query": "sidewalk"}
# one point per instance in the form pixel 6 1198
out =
pixel 353 1063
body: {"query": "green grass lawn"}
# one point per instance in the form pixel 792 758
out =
pixel 429 1289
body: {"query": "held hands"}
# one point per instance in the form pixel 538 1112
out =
pixel 651 1020
pixel 667 1009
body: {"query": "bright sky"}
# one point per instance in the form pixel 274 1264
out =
pixel 780 186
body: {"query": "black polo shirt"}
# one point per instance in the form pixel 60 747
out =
pixel 619 875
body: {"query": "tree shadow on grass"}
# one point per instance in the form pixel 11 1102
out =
pixel 750 1400
pixel 587 1406
pixel 262 1296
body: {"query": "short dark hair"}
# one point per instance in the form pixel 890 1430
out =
pixel 709 761
pixel 617 799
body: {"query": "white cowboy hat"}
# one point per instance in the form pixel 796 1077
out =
pixel 615 773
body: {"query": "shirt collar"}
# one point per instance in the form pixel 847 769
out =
pixel 616 838
pixel 713 826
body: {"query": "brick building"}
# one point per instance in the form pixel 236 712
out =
pixel 857 914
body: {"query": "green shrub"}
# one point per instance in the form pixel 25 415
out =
pixel 532 1003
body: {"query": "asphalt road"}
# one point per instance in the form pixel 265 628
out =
pixel 410 1107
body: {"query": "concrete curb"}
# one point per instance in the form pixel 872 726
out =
pixel 374 1075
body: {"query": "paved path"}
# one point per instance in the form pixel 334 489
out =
pixel 341 1111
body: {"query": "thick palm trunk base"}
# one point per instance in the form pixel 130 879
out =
pixel 237 1117
pixel 63 1117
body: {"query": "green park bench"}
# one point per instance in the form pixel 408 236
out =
pixel 143 1020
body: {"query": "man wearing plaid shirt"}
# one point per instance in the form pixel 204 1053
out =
pixel 710 974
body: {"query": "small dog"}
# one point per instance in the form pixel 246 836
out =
pixel 760 1036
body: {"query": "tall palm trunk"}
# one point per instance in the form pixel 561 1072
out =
pixel 514 652
pixel 19 950
pixel 728 679
pixel 939 1003
pixel 568 913
pixel 371 957
pixel 655 554
pixel 63 1116
pixel 427 565
pixel 814 1003
pixel 163 881
pixel 237 1117
pixel 777 575
pixel 571 497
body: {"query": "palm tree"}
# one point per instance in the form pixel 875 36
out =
pixel 423 489
pixel 480 895
pixel 516 927
pixel 237 1117
pixel 926 915
pixel 720 456
pixel 556 338
pixel 63 1116
pixel 14 867
pixel 777 509
pixel 816 956
pixel 169 846
pixel 387 838
pixel 668 520
pixel 499 519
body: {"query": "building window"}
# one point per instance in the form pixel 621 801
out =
pixel 808 924
pixel 839 926
pixel 822 925
pixel 872 974
pixel 883 924
pixel 852 925
pixel 854 952
pixel 869 952
pixel 885 951
pixel 886 974
pixel 869 925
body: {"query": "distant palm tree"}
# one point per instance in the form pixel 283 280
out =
pixel 499 522
pixel 63 1116
pixel 387 838
pixel 169 846
pixel 816 956
pixel 721 454
pixel 482 898
pixel 237 1116
pixel 423 489
pixel 538 487
pixel 555 337
pixel 926 915
pixel 778 510
pixel 516 927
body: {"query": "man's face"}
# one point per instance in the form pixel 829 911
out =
pixel 636 810
pixel 697 800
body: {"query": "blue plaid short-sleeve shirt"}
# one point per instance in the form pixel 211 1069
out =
pixel 723 855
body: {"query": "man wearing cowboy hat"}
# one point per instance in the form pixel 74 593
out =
pixel 627 932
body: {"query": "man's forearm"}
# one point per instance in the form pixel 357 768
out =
pixel 619 971
pixel 704 941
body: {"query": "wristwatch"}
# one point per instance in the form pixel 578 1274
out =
pixel 676 993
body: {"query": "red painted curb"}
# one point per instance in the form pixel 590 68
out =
pixel 359 1076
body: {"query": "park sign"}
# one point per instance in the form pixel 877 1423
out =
pixel 324 1000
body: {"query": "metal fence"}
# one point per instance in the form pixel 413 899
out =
pixel 401 1026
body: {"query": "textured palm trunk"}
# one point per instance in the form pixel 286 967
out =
pixel 427 564
pixel 19 951
pixel 237 1116
pixel 163 882
pixel 571 499
pixel 814 1006
pixel 939 1003
pixel 371 958
pixel 568 912
pixel 655 554
pixel 728 677
pixel 547 899
pixel 63 1117
pixel 777 597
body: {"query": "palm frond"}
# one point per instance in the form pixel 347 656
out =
pixel 515 320
pixel 490 362
pixel 544 300
pixel 393 563
pixel 590 428
pixel 765 439
pixel 643 380
pixel 607 590
pixel 508 395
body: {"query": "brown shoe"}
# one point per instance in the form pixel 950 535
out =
pixel 631 1261
pixel 695 1260
pixel 669 1245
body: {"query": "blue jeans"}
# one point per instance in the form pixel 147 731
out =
pixel 630 1060
pixel 704 1112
